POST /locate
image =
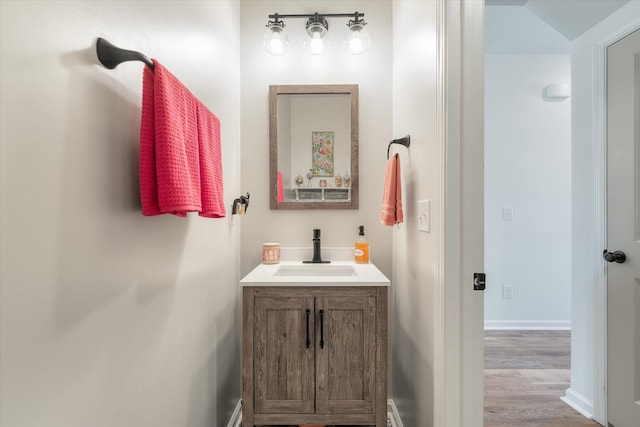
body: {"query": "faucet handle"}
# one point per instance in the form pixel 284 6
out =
pixel 316 233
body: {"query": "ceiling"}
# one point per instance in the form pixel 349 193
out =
pixel 541 26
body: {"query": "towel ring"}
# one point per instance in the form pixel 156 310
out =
pixel 111 56
pixel 406 141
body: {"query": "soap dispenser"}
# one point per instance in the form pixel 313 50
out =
pixel 362 248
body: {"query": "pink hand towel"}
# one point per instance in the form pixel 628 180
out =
pixel 280 188
pixel 180 160
pixel 391 212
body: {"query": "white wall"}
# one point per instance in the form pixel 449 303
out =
pixel 515 29
pixel 587 251
pixel 411 329
pixel 371 71
pixel 109 318
pixel 527 169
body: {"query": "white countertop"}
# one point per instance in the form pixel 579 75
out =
pixel 363 275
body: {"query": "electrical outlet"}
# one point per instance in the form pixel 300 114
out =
pixel 507 214
pixel 507 292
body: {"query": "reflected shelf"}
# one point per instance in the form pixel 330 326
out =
pixel 321 193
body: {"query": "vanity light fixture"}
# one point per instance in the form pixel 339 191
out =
pixel 317 29
pixel 275 40
pixel 358 40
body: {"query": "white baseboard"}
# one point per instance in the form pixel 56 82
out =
pixel 578 402
pixel 393 418
pixel 236 417
pixel 392 415
pixel 527 325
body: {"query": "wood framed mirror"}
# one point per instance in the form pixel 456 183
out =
pixel 313 146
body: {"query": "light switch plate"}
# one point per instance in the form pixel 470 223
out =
pixel 424 216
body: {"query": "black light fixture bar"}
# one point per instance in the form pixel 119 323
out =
pixel 311 15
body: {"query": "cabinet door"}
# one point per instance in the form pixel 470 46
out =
pixel 283 361
pixel 346 355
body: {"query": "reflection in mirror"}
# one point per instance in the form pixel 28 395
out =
pixel 313 147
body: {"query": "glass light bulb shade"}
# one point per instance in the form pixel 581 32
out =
pixel 316 28
pixel 275 40
pixel 358 39
pixel 318 42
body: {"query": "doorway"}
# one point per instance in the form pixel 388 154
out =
pixel 589 189
pixel 527 219
pixel 527 230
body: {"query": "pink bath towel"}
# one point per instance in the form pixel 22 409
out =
pixel 180 159
pixel 391 212
pixel 148 183
pixel 211 184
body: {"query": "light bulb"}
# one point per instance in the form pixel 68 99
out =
pixel 276 46
pixel 355 44
pixel 316 45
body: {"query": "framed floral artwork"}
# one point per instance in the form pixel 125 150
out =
pixel 322 153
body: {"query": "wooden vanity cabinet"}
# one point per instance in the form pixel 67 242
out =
pixel 314 355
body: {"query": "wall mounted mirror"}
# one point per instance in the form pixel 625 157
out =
pixel 313 146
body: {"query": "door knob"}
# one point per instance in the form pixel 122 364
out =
pixel 617 256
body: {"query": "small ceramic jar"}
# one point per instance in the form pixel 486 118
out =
pixel 270 253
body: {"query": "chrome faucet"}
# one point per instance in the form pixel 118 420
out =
pixel 317 256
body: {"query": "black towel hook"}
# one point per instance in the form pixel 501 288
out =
pixel 111 56
pixel 406 141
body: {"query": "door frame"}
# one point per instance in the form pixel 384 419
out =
pixel 458 309
pixel 600 233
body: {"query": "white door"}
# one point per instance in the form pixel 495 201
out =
pixel 623 231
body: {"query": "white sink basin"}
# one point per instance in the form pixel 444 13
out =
pixel 316 270
pixel 295 273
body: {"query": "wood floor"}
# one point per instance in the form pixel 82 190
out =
pixel 525 374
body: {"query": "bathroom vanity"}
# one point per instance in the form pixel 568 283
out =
pixel 314 345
